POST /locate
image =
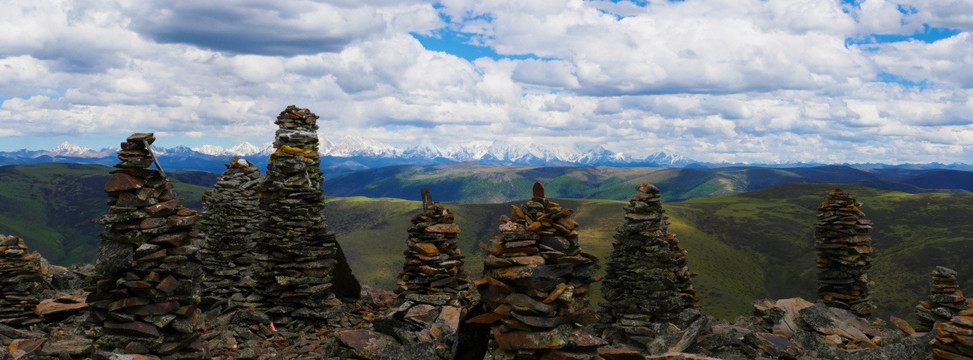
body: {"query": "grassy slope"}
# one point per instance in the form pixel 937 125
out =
pixel 51 206
pixel 493 184
pixel 744 247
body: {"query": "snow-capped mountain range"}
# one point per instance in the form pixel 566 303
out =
pixel 356 153
pixel 484 151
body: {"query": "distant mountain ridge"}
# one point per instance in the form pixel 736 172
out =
pixel 358 153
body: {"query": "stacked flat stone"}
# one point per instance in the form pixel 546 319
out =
pixel 945 299
pixel 433 267
pixel 844 254
pixel 148 269
pixel 21 282
pixel 954 338
pixel 535 285
pixel 300 257
pixel 229 223
pixel 434 290
pixel 647 285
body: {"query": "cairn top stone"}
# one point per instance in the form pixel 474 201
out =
pixel 538 190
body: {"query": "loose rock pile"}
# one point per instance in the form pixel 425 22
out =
pixel 304 266
pixel 954 338
pixel 228 224
pixel 944 301
pixel 844 254
pixel 21 282
pixel 148 270
pixel 647 286
pixel 535 285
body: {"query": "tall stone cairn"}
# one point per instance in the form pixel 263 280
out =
pixel 148 269
pixel 844 254
pixel 945 299
pixel 300 257
pixel 21 282
pixel 954 338
pixel 535 285
pixel 647 285
pixel 229 223
pixel 433 271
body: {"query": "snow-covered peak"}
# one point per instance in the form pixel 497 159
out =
pixel 241 149
pixel 248 149
pixel 424 150
pixel 359 146
pixel 69 149
pixel 211 150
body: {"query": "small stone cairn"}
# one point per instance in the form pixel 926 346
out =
pixel 434 290
pixel 944 301
pixel 535 285
pixel 304 267
pixel 954 338
pixel 229 223
pixel 433 271
pixel 21 282
pixel 844 254
pixel 647 286
pixel 148 269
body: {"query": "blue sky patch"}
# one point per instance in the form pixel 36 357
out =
pixel 459 44
pixel 895 79
pixel 927 35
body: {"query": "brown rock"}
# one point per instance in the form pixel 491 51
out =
pixel 121 182
pixel 366 343
pixel 50 307
pixel 620 353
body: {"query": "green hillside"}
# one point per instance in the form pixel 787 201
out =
pixel 51 206
pixel 493 184
pixel 744 247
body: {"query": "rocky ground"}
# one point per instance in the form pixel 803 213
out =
pixel 778 329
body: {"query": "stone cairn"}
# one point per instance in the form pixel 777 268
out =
pixel 647 285
pixel 535 285
pixel 944 301
pixel 954 338
pixel 228 224
pixel 433 271
pixel 21 282
pixel 304 267
pixel 434 291
pixel 844 254
pixel 148 269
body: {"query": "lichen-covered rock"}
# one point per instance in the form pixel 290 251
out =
pixel 844 254
pixel 648 286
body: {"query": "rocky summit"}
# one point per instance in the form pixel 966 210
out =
pixel 844 254
pixel 648 289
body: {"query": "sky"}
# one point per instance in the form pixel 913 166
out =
pixel 745 81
